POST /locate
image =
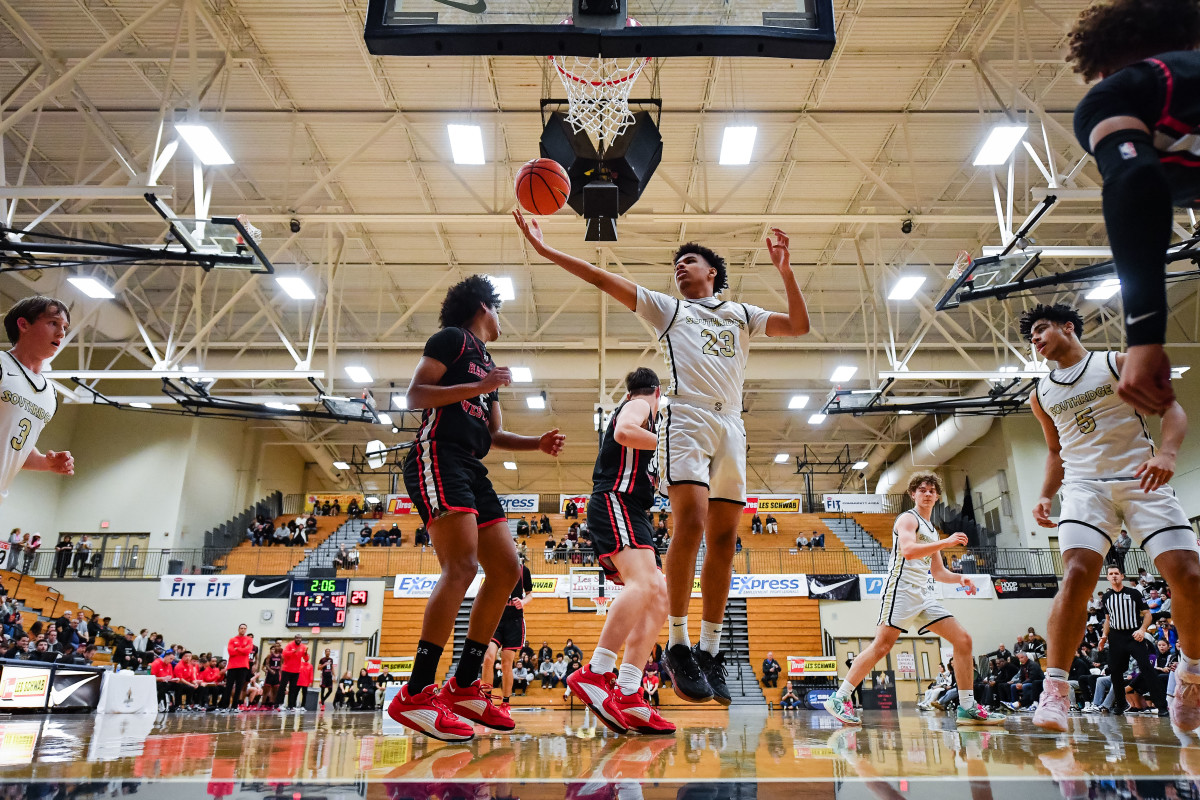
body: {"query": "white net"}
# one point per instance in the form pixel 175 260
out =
pixel 598 92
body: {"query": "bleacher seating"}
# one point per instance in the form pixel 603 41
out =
pixel 247 559
pixel 786 626
pixel 44 602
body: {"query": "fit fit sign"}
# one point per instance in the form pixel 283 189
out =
pixel 201 587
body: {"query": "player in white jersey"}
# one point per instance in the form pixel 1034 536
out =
pixel 1104 461
pixel 36 327
pixel 910 600
pixel 702 442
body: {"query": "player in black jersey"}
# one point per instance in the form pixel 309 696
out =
pixel 510 636
pixel 622 492
pixel 456 382
pixel 1141 123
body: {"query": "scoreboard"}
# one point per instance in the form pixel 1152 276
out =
pixel 318 602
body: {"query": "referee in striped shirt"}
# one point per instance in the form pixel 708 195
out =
pixel 1126 619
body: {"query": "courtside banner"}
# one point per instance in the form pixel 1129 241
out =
pixel 268 587
pixel 833 587
pixel 398 504
pixel 871 586
pixel 397 667
pixel 661 503
pixel 1025 586
pixel 417 586
pixel 808 667
pixel 859 504
pixel 983 586
pixel 24 687
pixel 764 586
pixel 519 503
pixel 581 501
pixel 773 504
pixel 545 585
pixel 201 587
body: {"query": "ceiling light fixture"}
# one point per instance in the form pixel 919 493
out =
pixel 358 374
pixel 781 458
pixel 1000 144
pixel 510 465
pixel 737 144
pixel 1105 290
pixel 798 401
pixel 295 287
pixel 521 374
pixel 859 465
pixel 504 287
pixel 92 288
pixel 816 419
pixel 466 143
pixel 204 144
pixel 843 373
pixel 906 287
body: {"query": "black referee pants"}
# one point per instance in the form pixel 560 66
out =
pixel 1121 647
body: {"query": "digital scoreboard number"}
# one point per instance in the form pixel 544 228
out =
pixel 318 602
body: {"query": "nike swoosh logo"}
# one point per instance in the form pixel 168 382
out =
pixel 821 588
pixel 1135 320
pixel 58 695
pixel 478 7
pixel 255 588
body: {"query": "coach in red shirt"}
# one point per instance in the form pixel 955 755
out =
pixel 295 653
pixel 238 673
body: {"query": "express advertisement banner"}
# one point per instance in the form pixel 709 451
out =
pixel 581 501
pixel 808 667
pixel 519 503
pixel 661 503
pixel 764 586
pixel 1023 586
pixel 773 504
pixel 398 504
pixel 201 587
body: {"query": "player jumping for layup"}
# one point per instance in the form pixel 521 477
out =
pixel 702 444
pixel 909 599
pixel 36 327
pixel 1103 459
pixel 622 492
pixel 456 383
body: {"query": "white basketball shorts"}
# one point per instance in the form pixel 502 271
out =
pixel 699 446
pixel 906 607
pixel 1093 513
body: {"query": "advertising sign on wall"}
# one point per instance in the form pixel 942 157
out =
pixel 764 586
pixel 661 503
pixel 268 587
pixel 581 501
pixel 201 587
pixel 809 666
pixel 341 498
pixel 773 504
pixel 24 687
pixel 519 503
pixel 983 589
pixel 1025 586
pixel 856 503
pixel 398 504
pixel 397 667
pixel 833 587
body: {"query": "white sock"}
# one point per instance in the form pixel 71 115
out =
pixel 629 679
pixel 1189 664
pixel 966 699
pixel 1056 674
pixel 677 632
pixel 602 661
pixel 710 636
pixel 845 690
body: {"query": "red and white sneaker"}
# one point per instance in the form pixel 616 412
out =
pixel 1185 705
pixel 639 714
pixel 596 692
pixel 425 713
pixel 474 702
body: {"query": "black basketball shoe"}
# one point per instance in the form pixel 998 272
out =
pixel 713 668
pixel 686 678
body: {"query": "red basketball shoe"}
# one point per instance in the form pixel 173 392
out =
pixel 639 715
pixel 596 691
pixel 474 702
pixel 424 713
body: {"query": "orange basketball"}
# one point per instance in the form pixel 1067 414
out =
pixel 542 186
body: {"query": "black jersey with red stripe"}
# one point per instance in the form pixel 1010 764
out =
pixel 464 423
pixel 625 469
pixel 1164 93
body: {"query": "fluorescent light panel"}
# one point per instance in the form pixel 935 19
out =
pixel 504 287
pixel 798 401
pixel 358 374
pixel 816 419
pixel 737 144
pixel 466 143
pixel 999 145
pixel 340 465
pixel 860 465
pixel 510 465
pixel 843 373
pixel 400 401
pixel 92 288
pixel 906 287
pixel 295 287
pixel 536 402
pixel 781 458
pixel 522 375
pixel 204 144
pixel 139 405
pixel 1105 290
pixel 282 406
pixel 385 419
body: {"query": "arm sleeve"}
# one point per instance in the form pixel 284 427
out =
pixel 446 345
pixel 656 308
pixel 756 319
pixel 528 582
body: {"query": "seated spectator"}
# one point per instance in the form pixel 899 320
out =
pixel 1154 601
pixel 364 536
pixel 520 678
pixel 571 511
pixel 802 541
pixel 1027 685
pixel 818 540
pixel 326 509
pixel 756 524
pixel 299 535
pixel 366 691
pixel 421 537
pixel 380 539
pixel 770 671
pixel 352 509
pixel 523 527
pixel 43 652
pixel 772 525
pixel 571 651
pixel 351 559
pixel 395 536
pixel 310 524
pixel 345 696
pixel 935 690
pixel 588 549
pixel 789 699
pixel 573 532
pixel 336 510
pixel 544 526
pixel 559 671
pixel 545 672
pixel 550 548
pixel 737 544
pixel 19 650
pixel 341 558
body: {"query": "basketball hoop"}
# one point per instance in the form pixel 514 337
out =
pixel 254 232
pixel 598 90
pixel 601 606
pixel 962 263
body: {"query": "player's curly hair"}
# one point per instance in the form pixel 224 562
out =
pixel 464 298
pixel 1112 34
pixel 721 282
pixel 642 380
pixel 1059 313
pixel 917 478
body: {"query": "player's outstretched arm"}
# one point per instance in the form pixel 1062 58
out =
pixel 50 461
pixel 1156 471
pixel 630 431
pixel 551 442
pixel 622 289
pixel 424 391
pixel 1054 465
pixel 795 322
pixel 910 548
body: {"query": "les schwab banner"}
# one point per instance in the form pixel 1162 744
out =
pixel 808 667
pixel 24 687
pixel 773 504
pixel 397 667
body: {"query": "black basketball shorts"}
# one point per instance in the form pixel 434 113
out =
pixel 615 522
pixel 445 478
pixel 510 633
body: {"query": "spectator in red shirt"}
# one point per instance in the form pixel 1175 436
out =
pixel 240 649
pixel 306 679
pixel 187 682
pixel 212 684
pixel 294 653
pixel 163 670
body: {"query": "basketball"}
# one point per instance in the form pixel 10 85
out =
pixel 542 186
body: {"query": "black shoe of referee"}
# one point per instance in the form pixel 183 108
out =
pixel 687 680
pixel 713 668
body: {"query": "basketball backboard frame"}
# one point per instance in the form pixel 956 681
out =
pixel 771 29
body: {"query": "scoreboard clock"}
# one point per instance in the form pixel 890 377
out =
pixel 318 602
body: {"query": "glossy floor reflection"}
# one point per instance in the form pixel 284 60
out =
pixel 743 753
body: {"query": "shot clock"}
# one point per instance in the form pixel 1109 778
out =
pixel 318 602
